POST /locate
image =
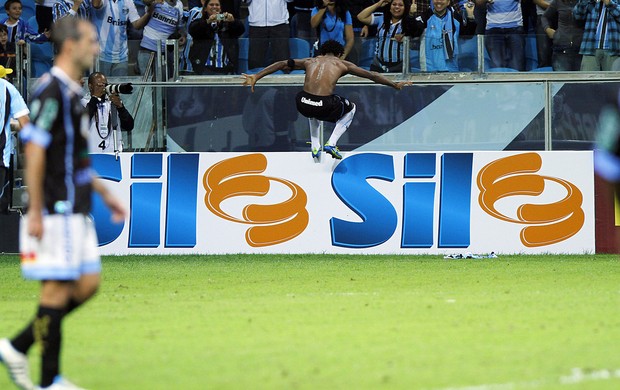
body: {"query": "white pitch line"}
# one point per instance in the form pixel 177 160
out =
pixel 576 376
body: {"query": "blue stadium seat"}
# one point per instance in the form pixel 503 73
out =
pixel 293 25
pixel 27 9
pixel 487 60
pixel 531 53
pixel 501 70
pixel 42 54
pixel 256 70
pixel 368 52
pixel 300 48
pixel 414 56
pixel 244 48
pixel 468 55
pixel 246 32
pixel 543 69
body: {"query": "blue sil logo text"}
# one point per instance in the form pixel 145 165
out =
pixel 379 217
pixel 146 197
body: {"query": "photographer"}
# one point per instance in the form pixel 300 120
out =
pixel 215 48
pixel 108 116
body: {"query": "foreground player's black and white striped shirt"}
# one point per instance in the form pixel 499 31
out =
pixel 59 124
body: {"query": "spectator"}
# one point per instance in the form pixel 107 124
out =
pixel 215 49
pixel 165 22
pixel 543 42
pixel 44 14
pixel 79 8
pixel 444 25
pixel 108 117
pixel 560 26
pixel 110 18
pixel 18 29
pixel 7 49
pixel 600 45
pixel 394 23
pixel 190 16
pixel 504 38
pixel 268 20
pixel 333 22
pixel 301 19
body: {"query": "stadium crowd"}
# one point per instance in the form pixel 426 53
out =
pixel 235 36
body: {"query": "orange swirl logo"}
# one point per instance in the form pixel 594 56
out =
pixel 515 175
pixel 240 176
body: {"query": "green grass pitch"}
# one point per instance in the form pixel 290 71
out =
pixel 337 322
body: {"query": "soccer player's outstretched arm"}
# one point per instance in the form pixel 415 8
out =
pixel 251 79
pixel 374 76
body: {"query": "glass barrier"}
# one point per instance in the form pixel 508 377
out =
pixel 577 111
pixel 463 116
pixel 431 117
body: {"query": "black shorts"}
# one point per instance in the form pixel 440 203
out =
pixel 324 108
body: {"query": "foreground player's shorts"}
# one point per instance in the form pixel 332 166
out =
pixel 67 249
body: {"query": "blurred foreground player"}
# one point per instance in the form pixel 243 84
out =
pixel 58 242
pixel 317 101
pixel 607 152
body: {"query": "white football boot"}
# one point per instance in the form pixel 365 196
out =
pixel 17 364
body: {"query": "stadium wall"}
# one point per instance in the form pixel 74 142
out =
pixel 369 202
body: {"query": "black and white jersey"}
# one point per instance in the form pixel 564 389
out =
pixel 59 123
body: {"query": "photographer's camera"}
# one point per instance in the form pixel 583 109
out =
pixel 125 88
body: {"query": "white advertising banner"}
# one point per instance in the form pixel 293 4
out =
pixel 371 203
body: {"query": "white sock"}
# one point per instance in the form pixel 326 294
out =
pixel 341 126
pixel 315 126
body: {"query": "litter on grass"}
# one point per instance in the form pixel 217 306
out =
pixel 491 255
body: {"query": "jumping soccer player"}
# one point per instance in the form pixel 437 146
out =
pixel 317 102
pixel 58 243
